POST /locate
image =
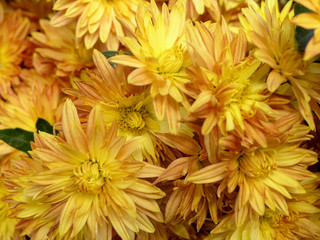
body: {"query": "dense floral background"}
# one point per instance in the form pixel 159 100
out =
pixel 179 119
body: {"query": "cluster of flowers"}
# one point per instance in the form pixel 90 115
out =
pixel 186 119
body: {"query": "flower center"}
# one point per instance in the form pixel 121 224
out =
pixel 257 164
pixel 132 119
pixel 90 177
pixel 171 60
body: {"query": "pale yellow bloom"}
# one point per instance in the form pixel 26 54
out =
pixel 13 43
pixel 89 182
pixel 56 52
pixel 265 176
pixel 97 20
pixel 160 58
pixel 274 36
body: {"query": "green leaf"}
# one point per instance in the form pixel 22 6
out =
pixel 17 138
pixel 44 126
pixel 302 35
pixel 109 54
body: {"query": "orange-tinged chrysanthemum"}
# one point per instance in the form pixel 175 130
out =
pixel 265 176
pixel 160 58
pixel 301 223
pixel 7 225
pixel 130 106
pixel 88 185
pixel 274 36
pixel 55 50
pixel 28 103
pixel 97 20
pixel 230 96
pixel 188 201
pixel 310 21
pixel 14 29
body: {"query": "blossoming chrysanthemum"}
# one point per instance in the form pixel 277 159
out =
pixel 231 96
pixel 274 36
pixel 130 106
pixel 188 201
pixel 298 224
pixel 88 185
pixel 14 29
pixel 265 176
pixel 55 50
pixel 160 58
pixel 28 103
pixel 97 20
pixel 7 225
pixel 310 21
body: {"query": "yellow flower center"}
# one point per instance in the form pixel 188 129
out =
pixel 257 164
pixel 171 60
pixel 132 119
pixel 90 177
pixel 272 218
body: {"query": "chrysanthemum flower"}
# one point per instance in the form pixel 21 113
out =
pixel 188 201
pixel 265 176
pixel 130 106
pixel 14 29
pixel 310 21
pixel 298 224
pixel 303 221
pixel 160 58
pixel 97 20
pixel 88 185
pixel 55 50
pixel 230 90
pixel 273 34
pixel 7 225
pixel 28 103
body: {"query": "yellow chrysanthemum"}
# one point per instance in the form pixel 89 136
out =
pixel 265 176
pixel 188 201
pixel 160 58
pixel 14 29
pixel 130 106
pixel 97 20
pixel 273 34
pixel 230 96
pixel 299 224
pixel 310 21
pixel 38 100
pixel 88 185
pixel 7 225
pixel 55 50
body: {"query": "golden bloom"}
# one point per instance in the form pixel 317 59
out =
pixel 97 20
pixel 265 176
pixel 14 29
pixel 55 50
pixel 160 58
pixel 299 224
pixel 88 184
pixel 40 99
pixel 310 21
pixel 272 33
pixel 7 225
pixel 230 96
pixel 130 106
